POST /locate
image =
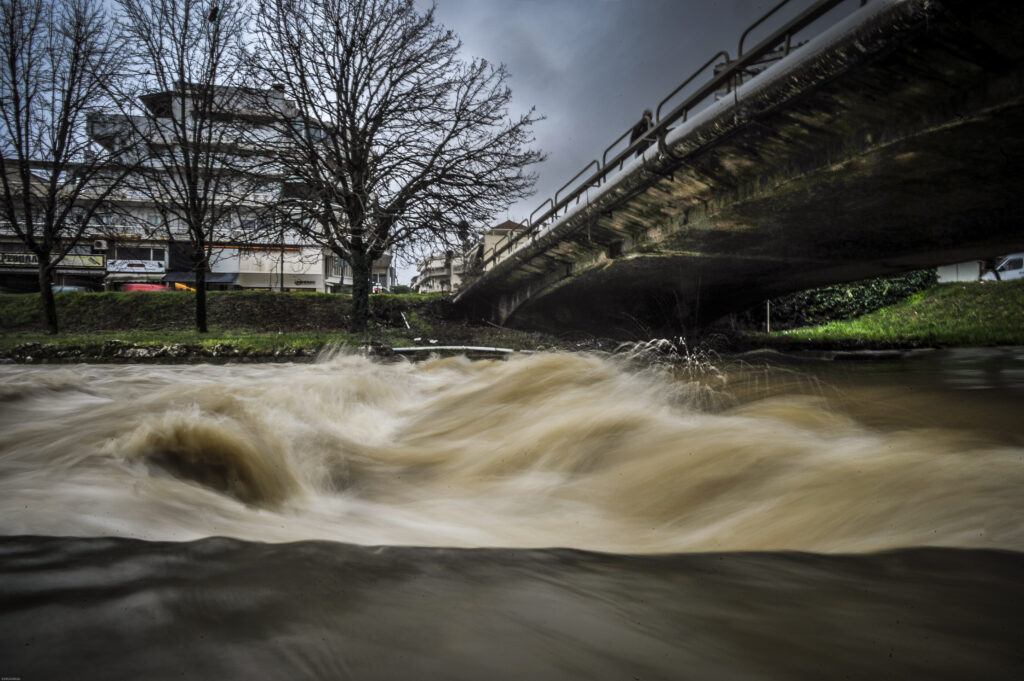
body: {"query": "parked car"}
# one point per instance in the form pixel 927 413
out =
pixel 144 287
pixel 1009 268
pixel 71 289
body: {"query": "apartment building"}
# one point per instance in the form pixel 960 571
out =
pixel 445 272
pixel 133 240
pixel 147 244
pixel 499 237
pixel 440 273
pixel 338 274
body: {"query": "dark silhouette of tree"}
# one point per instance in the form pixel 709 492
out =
pixel 57 60
pixel 397 141
pixel 187 103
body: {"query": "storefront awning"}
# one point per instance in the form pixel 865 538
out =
pixel 190 277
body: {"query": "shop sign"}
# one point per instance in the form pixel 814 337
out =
pixel 136 266
pixel 31 260
pixel 83 261
pixel 19 259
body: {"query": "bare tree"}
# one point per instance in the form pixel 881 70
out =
pixel 204 174
pixel 397 140
pixel 58 57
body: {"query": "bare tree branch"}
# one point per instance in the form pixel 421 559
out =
pixel 396 141
pixel 58 59
pixel 188 108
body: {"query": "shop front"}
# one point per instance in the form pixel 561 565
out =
pixel 19 271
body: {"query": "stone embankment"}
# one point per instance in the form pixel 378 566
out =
pixel 121 351
pixel 118 351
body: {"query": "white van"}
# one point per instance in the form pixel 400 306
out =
pixel 1011 267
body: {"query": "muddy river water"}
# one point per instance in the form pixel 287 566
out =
pixel 545 516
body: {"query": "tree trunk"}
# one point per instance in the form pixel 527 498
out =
pixel 46 295
pixel 361 270
pixel 201 298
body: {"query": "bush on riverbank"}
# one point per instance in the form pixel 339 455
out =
pixel 255 310
pixel 946 315
pixel 839 301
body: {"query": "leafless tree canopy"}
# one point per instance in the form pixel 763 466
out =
pixel 396 140
pixel 386 140
pixel 58 58
pixel 187 106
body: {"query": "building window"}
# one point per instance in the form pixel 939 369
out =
pixel 137 253
pixel 335 267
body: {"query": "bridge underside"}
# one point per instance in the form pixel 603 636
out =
pixel 951 194
pixel 900 148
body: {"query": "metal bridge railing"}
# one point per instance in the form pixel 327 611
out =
pixel 728 78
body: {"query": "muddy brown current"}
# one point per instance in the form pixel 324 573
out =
pixel 548 516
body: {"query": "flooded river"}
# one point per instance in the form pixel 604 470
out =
pixel 548 516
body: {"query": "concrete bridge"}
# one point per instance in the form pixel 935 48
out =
pixel 893 140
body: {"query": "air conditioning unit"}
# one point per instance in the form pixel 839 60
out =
pixel 99 245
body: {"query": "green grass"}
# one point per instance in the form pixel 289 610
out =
pixel 253 322
pixel 262 322
pixel 947 315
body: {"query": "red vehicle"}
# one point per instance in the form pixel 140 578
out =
pixel 144 287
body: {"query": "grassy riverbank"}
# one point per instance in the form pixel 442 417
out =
pixel 254 324
pixel 261 325
pixel 947 315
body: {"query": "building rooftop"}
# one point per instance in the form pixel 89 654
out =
pixel 258 102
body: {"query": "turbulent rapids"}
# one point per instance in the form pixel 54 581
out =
pixel 549 450
pixel 547 517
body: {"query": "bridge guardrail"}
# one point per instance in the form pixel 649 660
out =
pixel 669 96
pixel 566 185
pixel 729 78
pixel 546 201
